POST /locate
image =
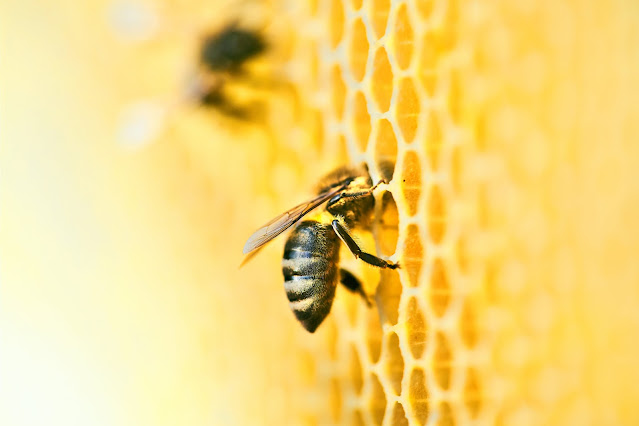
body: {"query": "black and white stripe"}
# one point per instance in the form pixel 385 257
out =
pixel 310 268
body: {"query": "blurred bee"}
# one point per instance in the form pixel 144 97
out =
pixel 221 81
pixel 311 254
pixel 222 60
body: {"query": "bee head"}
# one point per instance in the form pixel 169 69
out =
pixel 353 177
pixel 357 184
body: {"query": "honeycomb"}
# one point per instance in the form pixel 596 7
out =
pixel 489 321
pixel 512 210
pixel 391 77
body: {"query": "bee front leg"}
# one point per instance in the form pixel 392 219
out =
pixel 345 195
pixel 343 234
pixel 351 282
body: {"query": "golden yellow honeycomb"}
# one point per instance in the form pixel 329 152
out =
pixel 512 209
pixel 479 104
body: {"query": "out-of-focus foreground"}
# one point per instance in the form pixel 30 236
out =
pixel 513 210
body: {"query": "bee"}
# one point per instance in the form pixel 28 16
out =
pixel 222 58
pixel 221 69
pixel 310 263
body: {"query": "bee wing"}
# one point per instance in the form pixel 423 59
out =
pixel 284 221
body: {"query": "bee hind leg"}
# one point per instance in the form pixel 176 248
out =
pixel 351 282
pixel 371 259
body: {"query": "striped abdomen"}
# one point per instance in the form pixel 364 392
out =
pixel 310 268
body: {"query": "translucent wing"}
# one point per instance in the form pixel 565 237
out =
pixel 284 221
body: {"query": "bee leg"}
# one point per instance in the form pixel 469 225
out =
pixel 214 98
pixel 343 234
pixel 382 181
pixel 351 282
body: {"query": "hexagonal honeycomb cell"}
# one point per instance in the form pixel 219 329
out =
pixel 446 415
pixel 416 329
pixel 395 363
pixel 373 337
pixel 442 361
pixel 456 169
pixel 468 325
pixel 398 416
pixel 336 401
pixel 429 59
pixel 377 403
pixel 425 8
pixel 356 4
pixel 448 27
pixel 440 292
pixel 356 371
pixel 336 22
pixel 434 142
pixel 338 92
pixel 382 80
pixel 413 258
pixel 389 293
pixel 361 121
pixel 472 393
pixel 436 214
pixel 385 146
pixel 418 396
pixel 358 419
pixel 388 230
pixel 407 109
pixel 403 37
pixel 411 183
pixel 358 50
pixel 454 100
pixel 379 12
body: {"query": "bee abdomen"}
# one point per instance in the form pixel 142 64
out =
pixel 301 288
pixel 310 300
pixel 307 267
pixel 308 279
pixel 309 283
pixel 310 272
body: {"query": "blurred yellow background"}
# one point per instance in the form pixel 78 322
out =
pixel 122 300
pixel 124 211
